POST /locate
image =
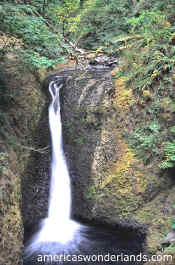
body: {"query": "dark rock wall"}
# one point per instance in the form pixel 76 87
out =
pixel 86 105
pixel 109 183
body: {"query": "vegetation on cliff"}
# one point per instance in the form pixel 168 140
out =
pixel 40 34
pixel 141 33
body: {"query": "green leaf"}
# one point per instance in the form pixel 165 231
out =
pixel 172 129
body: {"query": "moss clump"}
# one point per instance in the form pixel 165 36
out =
pixel 157 215
pixel 42 73
pixel 11 221
pixel 126 180
pixel 123 96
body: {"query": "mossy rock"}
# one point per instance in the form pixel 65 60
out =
pixel 23 110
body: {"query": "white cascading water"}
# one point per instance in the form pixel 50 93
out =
pixel 59 234
pixel 58 227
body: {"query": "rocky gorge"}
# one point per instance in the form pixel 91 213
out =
pixel 110 183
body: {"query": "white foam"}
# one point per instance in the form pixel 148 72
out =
pixel 58 227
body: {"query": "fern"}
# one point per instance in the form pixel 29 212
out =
pixel 41 45
pixel 169 150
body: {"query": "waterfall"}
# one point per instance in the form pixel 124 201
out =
pixel 60 191
pixel 58 226
pixel 60 235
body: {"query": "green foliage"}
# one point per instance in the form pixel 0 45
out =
pixel 141 31
pixel 145 141
pixel 172 224
pixel 67 17
pixel 103 21
pixel 152 141
pixel 3 160
pixel 148 70
pixel 152 24
pixel 41 44
pixel 92 191
pixel 35 60
pixel 169 153
pixel 79 140
pixel 157 55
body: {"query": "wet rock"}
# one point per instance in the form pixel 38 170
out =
pixel 169 239
pixel 104 60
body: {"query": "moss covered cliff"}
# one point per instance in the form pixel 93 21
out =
pixel 118 127
pixel 110 180
pixel 21 106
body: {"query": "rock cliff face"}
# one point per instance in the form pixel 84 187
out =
pixel 109 182
pixel 86 101
pixel 21 105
